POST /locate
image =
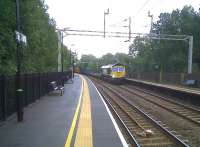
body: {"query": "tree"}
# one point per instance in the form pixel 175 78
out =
pixel 170 56
pixel 7 40
pixel 88 63
pixel 42 38
pixel 66 58
pixel 40 54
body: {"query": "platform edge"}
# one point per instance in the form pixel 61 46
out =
pixel 74 121
pixel 122 139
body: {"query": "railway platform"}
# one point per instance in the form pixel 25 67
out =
pixel 78 118
pixel 171 87
pixel 183 93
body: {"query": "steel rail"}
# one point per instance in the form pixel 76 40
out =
pixel 172 136
pixel 118 117
pixel 167 100
pixel 160 105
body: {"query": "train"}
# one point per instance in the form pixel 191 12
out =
pixel 115 73
pixel 77 70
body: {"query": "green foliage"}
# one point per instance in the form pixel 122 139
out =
pixel 169 56
pixel 108 59
pixel 7 41
pixel 66 58
pixel 92 64
pixel 40 54
pixel 88 62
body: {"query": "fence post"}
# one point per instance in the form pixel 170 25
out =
pixel 138 75
pixel 26 88
pixel 182 78
pixel 46 83
pixel 4 100
pixel 39 86
pixel 34 87
pixel 161 76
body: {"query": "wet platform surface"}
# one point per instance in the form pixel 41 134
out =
pixel 167 86
pixel 47 122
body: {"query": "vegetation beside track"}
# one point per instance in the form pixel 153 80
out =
pixel 40 54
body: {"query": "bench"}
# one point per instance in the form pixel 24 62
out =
pixel 190 83
pixel 53 86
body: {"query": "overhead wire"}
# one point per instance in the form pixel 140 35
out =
pixel 124 34
pixel 139 10
pixel 142 7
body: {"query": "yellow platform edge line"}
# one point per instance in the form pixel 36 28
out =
pixel 84 136
pixel 71 131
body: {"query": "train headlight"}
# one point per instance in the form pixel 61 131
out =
pixel 113 76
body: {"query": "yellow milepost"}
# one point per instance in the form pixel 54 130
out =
pixel 71 131
pixel 84 130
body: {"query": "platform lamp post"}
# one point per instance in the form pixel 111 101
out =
pixel 62 37
pixel 104 22
pixel 72 60
pixel 151 16
pixel 60 54
pixel 19 38
pixel 62 59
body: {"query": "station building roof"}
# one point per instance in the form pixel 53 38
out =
pixel 111 65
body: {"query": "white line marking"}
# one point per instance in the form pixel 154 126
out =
pixel 124 143
pixel 74 119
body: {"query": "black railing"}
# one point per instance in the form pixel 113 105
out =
pixel 166 78
pixel 34 86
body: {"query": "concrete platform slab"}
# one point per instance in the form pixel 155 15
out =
pixel 104 132
pixel 49 121
pixel 46 121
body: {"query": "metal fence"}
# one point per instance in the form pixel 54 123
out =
pixel 34 86
pixel 168 78
pixel 151 76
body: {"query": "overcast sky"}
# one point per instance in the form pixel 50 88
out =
pixel 88 15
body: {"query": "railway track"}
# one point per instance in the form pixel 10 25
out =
pixel 142 129
pixel 184 111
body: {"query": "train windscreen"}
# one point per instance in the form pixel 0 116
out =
pixel 118 69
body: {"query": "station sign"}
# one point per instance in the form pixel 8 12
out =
pixel 21 37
